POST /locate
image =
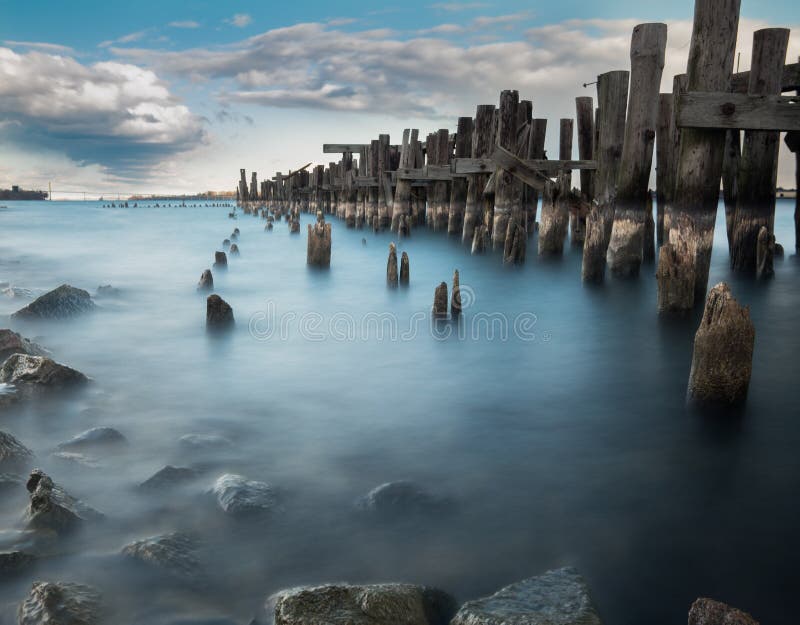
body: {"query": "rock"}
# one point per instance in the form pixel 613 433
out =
pixel 234 250
pixel 226 243
pixel 455 300
pixel 52 508
pixel 13 343
pixel 168 477
pixel 765 253
pixel 106 290
pixel 378 604
pixel 199 442
pixel 401 498
pixel 60 603
pixel 95 437
pixel 722 360
pixel 174 553
pixel 13 454
pixel 405 270
pixel 62 303
pixel 710 612
pixel 206 281
pixel 235 234
pixel 219 314
pixel 220 260
pixel 391 266
pixel 558 597
pixel 17 292
pixel 440 300
pixel 39 372
pixel 13 562
pixel 239 496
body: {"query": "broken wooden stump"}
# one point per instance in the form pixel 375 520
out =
pixel 553 222
pixel 535 151
pixel 391 266
pixel 594 258
pixel 318 250
pixel 405 271
pixel 709 612
pixel 206 281
pixel 482 146
pixel 648 45
pixel 234 250
pixel 675 272
pixel 479 237
pixel 455 300
pixel 440 300
pixel 219 314
pixel 440 205
pixel 765 254
pixel 515 244
pixel 755 205
pixel 220 260
pixel 722 361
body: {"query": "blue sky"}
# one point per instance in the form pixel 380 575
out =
pixel 160 96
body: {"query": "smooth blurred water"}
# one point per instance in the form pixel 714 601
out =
pixel 569 445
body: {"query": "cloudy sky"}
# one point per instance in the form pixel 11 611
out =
pixel 175 97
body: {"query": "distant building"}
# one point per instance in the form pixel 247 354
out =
pixel 16 193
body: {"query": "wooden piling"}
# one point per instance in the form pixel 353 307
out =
pixel 508 194
pixel 441 188
pixel 649 231
pixel 372 172
pixel 482 146
pixel 402 192
pixel 730 178
pixel 584 114
pixel 665 174
pixel 535 151
pixel 765 253
pixel 384 198
pixel 391 266
pixel 405 270
pixel 458 188
pixel 701 149
pixel 318 249
pixel 758 168
pixel 455 300
pixel 648 44
pixel 612 98
pixel 440 300
pixel 554 222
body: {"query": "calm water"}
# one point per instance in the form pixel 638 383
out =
pixel 567 443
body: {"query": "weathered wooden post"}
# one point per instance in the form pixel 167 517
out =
pixel 730 178
pixel 722 361
pixel 508 194
pixel 701 152
pixel 441 195
pixel 384 199
pixel 405 270
pixel 455 300
pixel 458 190
pixel 792 141
pixel 318 249
pixel 765 253
pixel 665 159
pixel 612 97
pixel 535 151
pixel 391 266
pixel 219 314
pixel 758 167
pixel 361 193
pixel 440 300
pixel 554 222
pixel 648 44
pixel 482 146
pixel 402 192
pixel 649 231
pixel 584 114
pixel 372 172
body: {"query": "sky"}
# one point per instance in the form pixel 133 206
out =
pixel 158 97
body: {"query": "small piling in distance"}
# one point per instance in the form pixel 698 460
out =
pixel 318 250
pixel 391 266
pixel 220 260
pixel 455 300
pixel 405 271
pixel 440 300
pixel 219 314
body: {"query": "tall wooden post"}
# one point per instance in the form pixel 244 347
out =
pixel 648 44
pixel 758 168
pixel 441 195
pixel 384 208
pixel 554 221
pixel 402 192
pixel 730 178
pixel 584 114
pixel 372 172
pixel 535 150
pixel 699 170
pixel 665 159
pixel 508 196
pixel 458 189
pixel 361 192
pixel 612 98
pixel 482 147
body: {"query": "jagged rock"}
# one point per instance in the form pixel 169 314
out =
pixel 168 477
pixel 106 290
pixel 13 562
pixel 220 260
pixel 13 454
pixel 206 281
pixel 93 438
pixel 219 314
pixel 404 269
pixel 52 508
pixel 200 442
pixel 765 253
pixel 234 249
pixel 174 553
pixel 440 300
pixel 455 299
pixel 378 604
pixel 239 496
pixel 722 360
pixel 62 303
pixel 29 372
pixel 402 498
pixel 709 612
pixel 391 266
pixel 60 603
pixel 13 343
pixel 558 597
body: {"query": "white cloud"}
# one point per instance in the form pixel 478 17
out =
pixel 129 38
pixel 40 45
pixel 185 24
pixel 459 6
pixel 240 20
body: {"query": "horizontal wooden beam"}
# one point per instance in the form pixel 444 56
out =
pixel 346 148
pixel 738 111
pixel 520 169
pixel 366 181
pixel 462 166
pixel 789 82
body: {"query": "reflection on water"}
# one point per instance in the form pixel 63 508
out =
pixel 563 438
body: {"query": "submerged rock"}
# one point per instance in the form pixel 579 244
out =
pixel 226 243
pixel 168 477
pixel 39 372
pixel 13 343
pixel 13 562
pixel 77 458
pixel 52 508
pixel 62 303
pixel 234 250
pixel 219 314
pixel 378 604
pixel 13 454
pixel 396 499
pixel 238 496
pixel 220 260
pixel 106 290
pixel 202 442
pixel 95 437
pixel 175 554
pixel 60 603
pixel 558 597
pixel 206 281
pixel 709 612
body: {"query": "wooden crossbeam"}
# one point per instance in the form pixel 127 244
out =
pixel 463 166
pixel 366 181
pixel 738 111
pixel 789 82
pixel 346 148
pixel 520 169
